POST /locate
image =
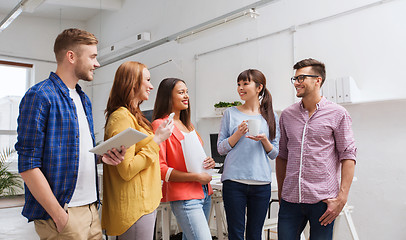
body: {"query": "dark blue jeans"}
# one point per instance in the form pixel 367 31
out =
pixel 241 198
pixel 293 218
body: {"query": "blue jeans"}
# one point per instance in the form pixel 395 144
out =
pixel 192 216
pixel 293 218
pixel 242 198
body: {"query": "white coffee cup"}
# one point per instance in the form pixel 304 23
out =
pixel 253 126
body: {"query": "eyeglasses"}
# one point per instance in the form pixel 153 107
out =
pixel 300 78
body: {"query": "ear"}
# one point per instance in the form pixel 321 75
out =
pixel 70 55
pixel 319 81
pixel 260 87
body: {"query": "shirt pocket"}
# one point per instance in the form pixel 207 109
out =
pixel 319 135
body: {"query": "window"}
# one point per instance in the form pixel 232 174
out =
pixel 15 80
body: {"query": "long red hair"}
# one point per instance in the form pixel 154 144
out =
pixel 126 86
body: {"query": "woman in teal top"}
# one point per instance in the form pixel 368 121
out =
pixel 247 171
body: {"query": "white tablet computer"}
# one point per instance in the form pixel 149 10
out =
pixel 126 138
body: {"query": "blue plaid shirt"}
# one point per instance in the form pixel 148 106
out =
pixel 48 139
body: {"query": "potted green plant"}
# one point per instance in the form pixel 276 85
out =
pixel 10 182
pixel 220 107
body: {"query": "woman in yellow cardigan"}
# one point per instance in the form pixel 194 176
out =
pixel 132 189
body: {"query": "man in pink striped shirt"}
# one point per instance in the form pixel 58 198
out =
pixel 316 145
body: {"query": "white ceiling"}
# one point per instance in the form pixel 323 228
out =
pixel 81 10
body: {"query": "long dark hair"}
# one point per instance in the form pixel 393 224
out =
pixel 126 86
pixel 265 107
pixel 163 103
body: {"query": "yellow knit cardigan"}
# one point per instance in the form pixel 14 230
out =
pixel 132 188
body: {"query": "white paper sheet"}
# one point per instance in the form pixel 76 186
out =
pixel 194 153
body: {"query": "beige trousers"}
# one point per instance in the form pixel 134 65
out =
pixel 83 223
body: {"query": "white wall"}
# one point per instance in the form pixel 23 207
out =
pixel 352 37
pixel 31 40
pixel 378 195
pixel 161 18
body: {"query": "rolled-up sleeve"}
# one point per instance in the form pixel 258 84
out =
pixel 344 138
pixel 33 115
pixel 283 150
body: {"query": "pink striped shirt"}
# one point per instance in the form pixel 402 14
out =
pixel 314 148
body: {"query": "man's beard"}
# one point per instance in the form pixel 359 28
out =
pixel 84 75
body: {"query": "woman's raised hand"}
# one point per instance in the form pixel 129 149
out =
pixel 242 128
pixel 164 131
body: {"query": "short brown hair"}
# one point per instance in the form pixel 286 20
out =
pixel 318 67
pixel 70 39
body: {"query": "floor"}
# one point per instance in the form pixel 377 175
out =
pixel 13 226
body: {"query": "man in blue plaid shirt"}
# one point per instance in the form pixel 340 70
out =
pixel 55 133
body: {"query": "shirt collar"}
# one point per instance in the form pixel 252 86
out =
pixel 323 101
pixel 58 81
